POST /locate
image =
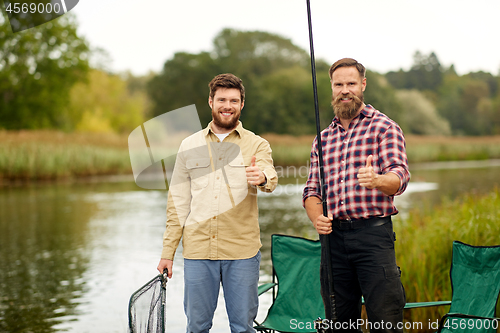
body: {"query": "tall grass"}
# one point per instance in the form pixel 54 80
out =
pixel 54 154
pixel 432 149
pixel 32 155
pixel 34 161
pixel 289 150
pixel 424 244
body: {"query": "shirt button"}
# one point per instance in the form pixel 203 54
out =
pixel 341 202
pixel 213 236
pixel 215 217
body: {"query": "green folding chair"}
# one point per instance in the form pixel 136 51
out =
pixel 297 299
pixel 475 283
pixel 296 289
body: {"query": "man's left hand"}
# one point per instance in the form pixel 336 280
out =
pixel 367 176
pixel 254 175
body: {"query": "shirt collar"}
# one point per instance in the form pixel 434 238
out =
pixel 238 129
pixel 368 111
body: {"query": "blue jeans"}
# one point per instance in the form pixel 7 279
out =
pixel 239 279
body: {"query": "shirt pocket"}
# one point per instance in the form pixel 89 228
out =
pixel 236 173
pixel 199 171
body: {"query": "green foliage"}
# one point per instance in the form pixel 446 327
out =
pixel 381 95
pixel 256 53
pixel 465 101
pixel 184 81
pixel 105 104
pixel 36 161
pixel 420 115
pixel 424 242
pixel 32 155
pixel 470 104
pixel 277 77
pixel 426 73
pixel 38 67
pixel 261 60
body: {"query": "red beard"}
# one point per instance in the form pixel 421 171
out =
pixel 345 110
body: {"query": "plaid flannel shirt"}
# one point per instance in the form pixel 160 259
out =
pixel 345 151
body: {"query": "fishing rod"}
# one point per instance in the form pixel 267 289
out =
pixel 330 308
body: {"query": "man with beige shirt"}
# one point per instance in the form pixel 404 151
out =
pixel 212 206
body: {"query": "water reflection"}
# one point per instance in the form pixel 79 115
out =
pixel 454 179
pixel 42 234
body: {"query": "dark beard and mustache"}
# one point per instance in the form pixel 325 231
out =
pixel 346 110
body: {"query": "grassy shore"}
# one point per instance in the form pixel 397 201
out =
pixel 424 244
pixel 31 155
pixel 289 150
pixel 34 155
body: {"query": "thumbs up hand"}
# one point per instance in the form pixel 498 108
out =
pixel 255 177
pixel 367 176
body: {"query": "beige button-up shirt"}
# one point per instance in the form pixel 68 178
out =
pixel 210 205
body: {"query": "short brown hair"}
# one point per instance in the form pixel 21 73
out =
pixel 228 81
pixel 348 62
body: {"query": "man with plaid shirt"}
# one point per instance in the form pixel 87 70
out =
pixel 365 166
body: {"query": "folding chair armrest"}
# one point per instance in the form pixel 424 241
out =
pixel 265 287
pixel 425 304
pixel 463 316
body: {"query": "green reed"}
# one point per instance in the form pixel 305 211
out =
pixel 33 160
pixel 53 154
pixel 296 151
pixel 424 246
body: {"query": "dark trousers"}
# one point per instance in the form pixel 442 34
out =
pixel 364 264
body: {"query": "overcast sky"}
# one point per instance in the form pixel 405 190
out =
pixel 382 34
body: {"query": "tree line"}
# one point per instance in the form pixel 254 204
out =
pixel 48 80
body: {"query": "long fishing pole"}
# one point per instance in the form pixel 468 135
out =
pixel 330 308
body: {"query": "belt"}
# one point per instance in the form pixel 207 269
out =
pixel 362 223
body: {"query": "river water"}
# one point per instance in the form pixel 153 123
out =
pixel 71 254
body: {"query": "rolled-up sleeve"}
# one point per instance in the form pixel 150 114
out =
pixel 392 156
pixel 264 161
pixel 312 187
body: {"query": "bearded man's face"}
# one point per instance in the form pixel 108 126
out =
pixel 347 92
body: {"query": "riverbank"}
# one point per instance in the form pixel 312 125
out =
pixel 46 155
pixel 289 150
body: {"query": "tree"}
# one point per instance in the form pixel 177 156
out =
pixel 257 53
pixel 105 104
pixel 381 95
pixel 465 103
pixel 252 56
pixel 426 73
pixel 184 81
pixel 38 67
pixel 285 102
pixel 420 115
pixel 276 74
